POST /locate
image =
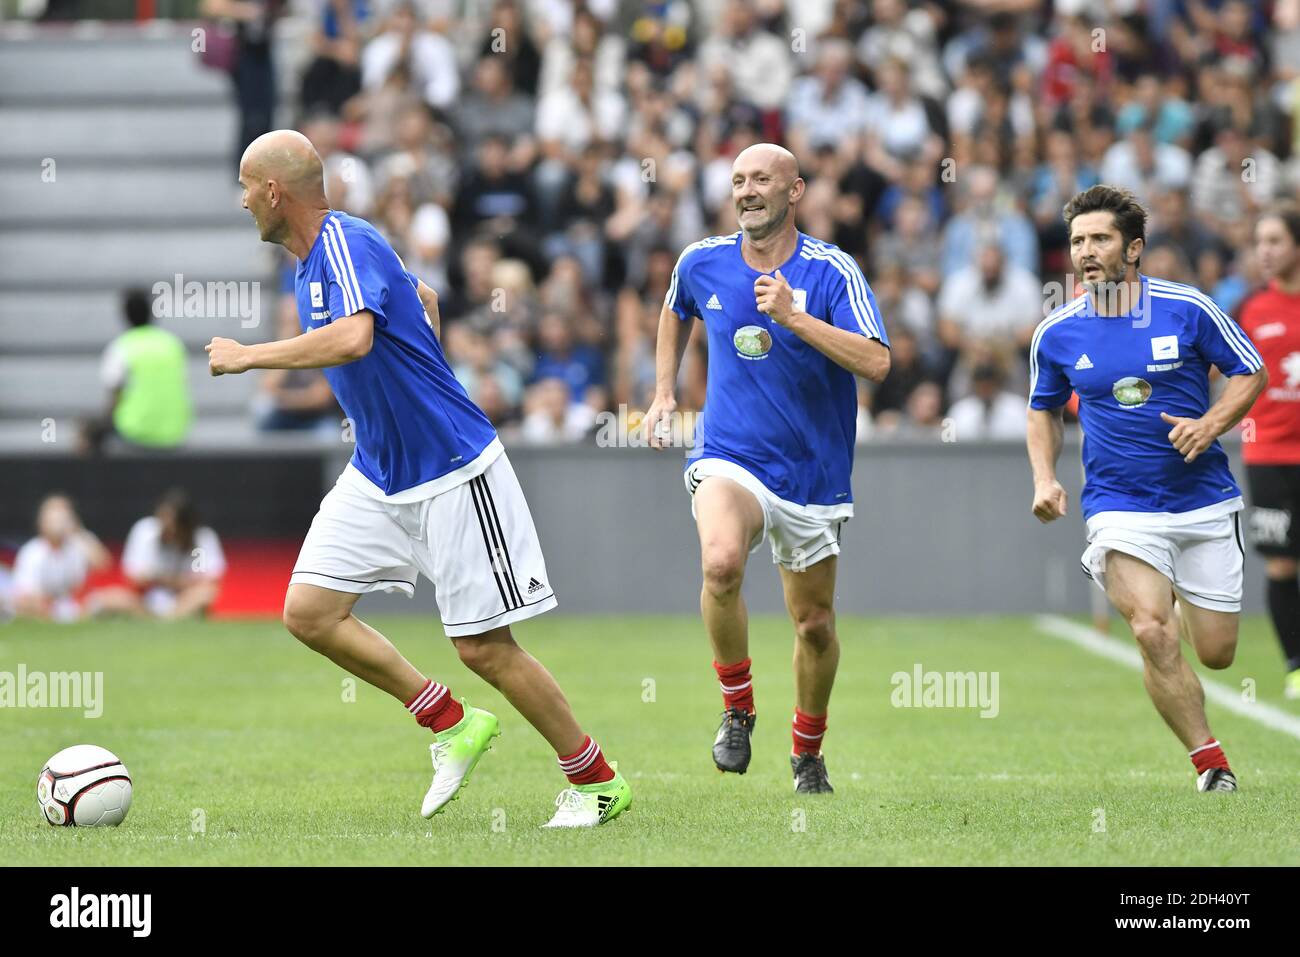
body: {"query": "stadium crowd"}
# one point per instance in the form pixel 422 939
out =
pixel 542 164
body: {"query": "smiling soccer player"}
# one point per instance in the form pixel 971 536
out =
pixel 1159 499
pixel 790 321
pixel 429 489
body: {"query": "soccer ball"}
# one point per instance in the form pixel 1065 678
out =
pixel 84 786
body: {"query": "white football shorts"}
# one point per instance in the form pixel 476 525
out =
pixel 800 535
pixel 1203 558
pixel 476 542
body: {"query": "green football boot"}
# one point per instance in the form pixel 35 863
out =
pixel 586 805
pixel 455 752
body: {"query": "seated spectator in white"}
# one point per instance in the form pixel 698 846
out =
pixel 1144 166
pixel 898 131
pixel 473 356
pixel 573 115
pixel 295 399
pixel 51 568
pixel 1221 195
pixel 430 57
pixel 990 411
pixel 553 417
pixel 994 299
pixel 981 213
pixel 907 35
pixel 828 107
pixel 173 563
pixel 348 182
pixel 761 64
pixel 588 39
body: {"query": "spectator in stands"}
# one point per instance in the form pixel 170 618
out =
pixel 250 64
pixel 52 567
pixel 898 130
pixel 760 62
pixel 334 74
pixel 174 565
pixel 429 57
pixel 1145 166
pixel 1171 225
pixel 348 181
pixel 991 411
pixel 552 415
pixel 829 107
pixel 494 107
pixel 993 303
pixel 495 200
pixel 145 374
pixel 559 357
pixel 981 213
pixel 1222 192
pixel 295 399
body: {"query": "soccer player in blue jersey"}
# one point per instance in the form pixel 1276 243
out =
pixel 429 489
pixel 790 321
pixel 1159 500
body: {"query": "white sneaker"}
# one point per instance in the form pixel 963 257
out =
pixel 590 804
pixel 455 753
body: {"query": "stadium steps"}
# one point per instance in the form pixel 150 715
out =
pixel 140 136
pixel 72 321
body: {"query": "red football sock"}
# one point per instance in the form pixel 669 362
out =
pixel 1209 755
pixel 434 707
pixel 737 686
pixel 808 732
pixel 586 765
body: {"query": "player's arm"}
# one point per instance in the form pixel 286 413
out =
pixel 670 346
pixel 1045 433
pixel 1191 437
pixel 858 353
pixel 338 343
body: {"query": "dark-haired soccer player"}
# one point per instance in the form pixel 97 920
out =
pixel 1159 499
pixel 429 489
pixel 1271 451
pixel 790 321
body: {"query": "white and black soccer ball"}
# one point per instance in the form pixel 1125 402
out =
pixel 84 786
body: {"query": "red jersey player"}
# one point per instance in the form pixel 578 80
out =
pixel 1271 446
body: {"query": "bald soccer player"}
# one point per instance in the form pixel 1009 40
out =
pixel 428 490
pixel 790 321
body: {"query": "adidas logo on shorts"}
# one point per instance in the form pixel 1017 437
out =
pixel 534 586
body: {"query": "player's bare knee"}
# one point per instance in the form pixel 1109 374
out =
pixel 724 570
pixel 815 628
pixel 482 656
pixel 1156 635
pixel 305 621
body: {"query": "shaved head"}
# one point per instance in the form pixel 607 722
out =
pixel 765 186
pixel 287 157
pixel 284 182
pixel 769 156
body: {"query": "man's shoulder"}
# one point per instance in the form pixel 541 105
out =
pixel 707 248
pixel 1180 298
pixel 1058 320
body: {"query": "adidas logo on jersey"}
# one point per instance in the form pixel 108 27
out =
pixel 534 586
pixel 1084 362
pixel 713 302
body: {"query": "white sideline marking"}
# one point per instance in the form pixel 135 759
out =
pixel 1089 640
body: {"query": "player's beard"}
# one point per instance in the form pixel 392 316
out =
pixel 766 228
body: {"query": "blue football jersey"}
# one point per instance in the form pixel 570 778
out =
pixel 775 405
pixel 416 430
pixel 1127 370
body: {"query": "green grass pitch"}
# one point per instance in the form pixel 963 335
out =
pixel 245 750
